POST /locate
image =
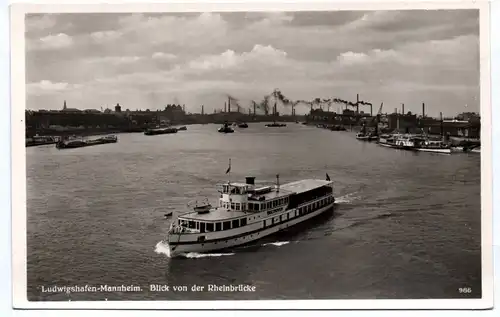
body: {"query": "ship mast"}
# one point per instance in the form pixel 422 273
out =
pixel 228 171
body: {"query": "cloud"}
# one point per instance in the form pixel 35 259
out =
pixel 259 55
pixel 161 55
pixel 115 60
pixel 102 36
pixel 151 59
pixel 51 42
pixel 352 57
pixel 40 22
pixel 48 87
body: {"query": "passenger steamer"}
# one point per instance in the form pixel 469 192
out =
pixel 247 212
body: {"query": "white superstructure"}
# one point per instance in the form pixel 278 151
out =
pixel 246 212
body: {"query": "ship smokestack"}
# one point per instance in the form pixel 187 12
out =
pixel 403 109
pixel 250 180
pixel 423 110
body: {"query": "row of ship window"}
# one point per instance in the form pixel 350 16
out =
pixel 255 206
pixel 237 223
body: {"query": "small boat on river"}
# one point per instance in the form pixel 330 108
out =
pixel 225 128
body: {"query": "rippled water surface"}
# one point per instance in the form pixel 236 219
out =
pixel 407 225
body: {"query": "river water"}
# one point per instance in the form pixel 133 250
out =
pixel 407 225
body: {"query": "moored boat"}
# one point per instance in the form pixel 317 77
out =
pixel 434 146
pixel 242 125
pixel 476 149
pixel 40 140
pixel 246 212
pixel 366 137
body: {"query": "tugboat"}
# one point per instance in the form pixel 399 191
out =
pixel 366 136
pixel 225 128
pixel 246 212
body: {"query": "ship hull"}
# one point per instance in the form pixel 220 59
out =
pixel 74 145
pixel 442 151
pixel 250 235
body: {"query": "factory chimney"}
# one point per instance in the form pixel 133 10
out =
pixel 357 103
pixel 423 110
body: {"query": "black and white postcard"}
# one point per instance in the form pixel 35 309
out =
pixel 252 156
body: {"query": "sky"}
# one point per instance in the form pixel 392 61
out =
pixel 146 61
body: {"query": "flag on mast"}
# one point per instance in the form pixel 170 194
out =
pixel 229 168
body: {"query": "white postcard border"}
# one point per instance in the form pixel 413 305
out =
pixel 18 183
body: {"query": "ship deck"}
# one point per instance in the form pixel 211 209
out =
pixel 305 185
pixel 271 195
pixel 215 214
pixel 221 214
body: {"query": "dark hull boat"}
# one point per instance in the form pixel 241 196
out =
pixel 225 129
pixel 160 131
pixel 72 144
pixel 242 125
pixel 337 128
pixel 40 140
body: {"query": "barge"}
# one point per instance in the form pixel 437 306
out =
pixel 77 143
pixel 158 131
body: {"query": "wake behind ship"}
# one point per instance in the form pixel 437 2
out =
pixel 246 212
